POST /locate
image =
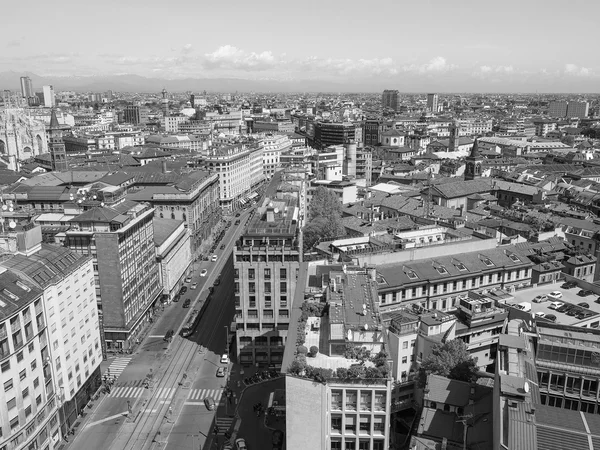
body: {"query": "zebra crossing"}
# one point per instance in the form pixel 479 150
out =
pixel 136 389
pixel 224 424
pixel 117 367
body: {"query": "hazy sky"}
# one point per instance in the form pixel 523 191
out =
pixel 436 44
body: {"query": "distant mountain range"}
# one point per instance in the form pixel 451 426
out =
pixel 136 83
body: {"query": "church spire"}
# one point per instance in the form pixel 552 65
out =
pixel 54 120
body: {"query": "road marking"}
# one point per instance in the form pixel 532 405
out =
pixel 193 403
pixel 117 367
pixel 156 336
pixel 106 419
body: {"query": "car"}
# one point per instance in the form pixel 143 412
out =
pixel 227 446
pixel 222 247
pixel 524 306
pixel 214 258
pixel 183 290
pixel 555 295
pixel 550 317
pixel 194 286
pixel 203 272
pixel 584 293
pixel 584 315
pixel 237 215
pixel 237 222
pixel 205 258
pixel 217 281
pixel 539 315
pixel 540 299
pixel 209 403
pixel 176 298
pixel 574 311
pixel 597 300
pixel 240 444
pixel 583 305
pixel 168 335
pixel 187 303
pixel 569 285
pixel 188 279
pixel 556 305
pixel 220 372
pixel 564 308
pixel 224 358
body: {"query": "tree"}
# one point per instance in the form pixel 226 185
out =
pixel 324 218
pixel 451 360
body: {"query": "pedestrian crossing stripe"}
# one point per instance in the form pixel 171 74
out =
pixel 165 393
pixel 224 423
pixel 201 394
pixel 117 367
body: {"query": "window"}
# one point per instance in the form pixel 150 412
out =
pixel 8 385
pixel 365 401
pixel 488 262
pixel 411 274
pixel 336 444
pixel 12 403
pixel 336 400
pixel 36 382
pixel 268 313
pixel 350 424
pixel 380 401
pixel 267 274
pixel 514 257
pixel 28 411
pixel 25 393
pixel 364 444
pixel 404 359
pixel 282 273
pixel 378 424
pixel 284 314
pixel 252 314
pixel 267 301
pixel 23 374
pixel 267 287
pixel 336 424
pixel 31 347
pixel 351 400
pixel 252 301
pixel 14 422
pixel 350 445
pixel 251 274
pixel 251 288
pixel 441 270
pixel 365 425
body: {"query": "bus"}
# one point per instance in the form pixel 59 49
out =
pixel 191 324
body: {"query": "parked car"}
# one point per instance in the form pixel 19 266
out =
pixel 222 247
pixel 597 300
pixel 540 299
pixel 550 317
pixel 524 306
pixel 176 298
pixel 203 272
pixel 168 335
pixel 574 311
pixel 187 303
pixel 564 308
pixel 220 372
pixel 539 315
pixel 556 305
pixel 585 292
pixel 237 215
pixel 214 258
pixel 240 444
pixel 183 290
pixel 237 222
pixel 568 285
pixel 584 315
pixel 194 286
pixel 209 403
pixel 555 295
pixel 188 279
pixel 583 305
pixel 224 358
pixel 217 281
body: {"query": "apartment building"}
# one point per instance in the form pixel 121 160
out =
pixel 557 108
pixel 350 407
pixel 68 294
pixel 578 109
pixel 171 123
pixel 273 148
pixel 390 99
pixel 120 240
pixel 240 170
pixel 29 413
pixel 266 261
pixel 193 199
pixel 432 103
pixel 336 133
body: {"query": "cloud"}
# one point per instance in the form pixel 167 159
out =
pixel 187 48
pixel 439 64
pixel 345 66
pixel 484 71
pixel 230 57
pixel 572 69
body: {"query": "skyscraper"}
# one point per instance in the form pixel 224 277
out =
pixel 557 109
pixel 26 87
pixel 390 99
pixel 49 100
pixel 432 103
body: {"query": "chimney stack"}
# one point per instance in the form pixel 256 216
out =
pixel 164 166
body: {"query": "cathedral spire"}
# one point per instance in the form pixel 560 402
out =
pixel 54 120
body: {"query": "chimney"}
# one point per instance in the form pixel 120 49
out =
pixel 164 166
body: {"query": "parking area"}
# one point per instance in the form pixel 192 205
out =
pixel 569 296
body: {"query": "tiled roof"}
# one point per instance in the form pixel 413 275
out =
pixel 23 289
pixel 97 214
pixel 462 188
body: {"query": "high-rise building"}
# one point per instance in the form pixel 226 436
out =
pixel 49 98
pixel 70 340
pixel 136 115
pixel 120 240
pixel 26 87
pixel 432 103
pixel 557 109
pixel 390 99
pixel 58 153
pixel 266 262
pixel 336 133
pixel 578 109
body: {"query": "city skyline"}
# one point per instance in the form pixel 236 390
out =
pixel 436 46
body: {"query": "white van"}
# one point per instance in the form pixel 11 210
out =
pixel 524 306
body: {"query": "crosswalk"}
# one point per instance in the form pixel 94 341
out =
pixel 118 366
pixel 224 423
pixel 195 395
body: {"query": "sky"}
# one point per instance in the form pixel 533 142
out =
pixel 460 45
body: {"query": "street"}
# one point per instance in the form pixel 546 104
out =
pixel 180 375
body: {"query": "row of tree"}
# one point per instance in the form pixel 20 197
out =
pixel 324 218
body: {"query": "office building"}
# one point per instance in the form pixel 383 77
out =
pixel 372 132
pixel 336 133
pixel 557 108
pixel 349 407
pixel 173 253
pixel 273 147
pixel 136 115
pixel 120 240
pixel 58 153
pixel 578 109
pixel 432 103
pixel 266 261
pixel 70 315
pixel 390 99
pixel 49 98
pixel 240 169
pixel 26 88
